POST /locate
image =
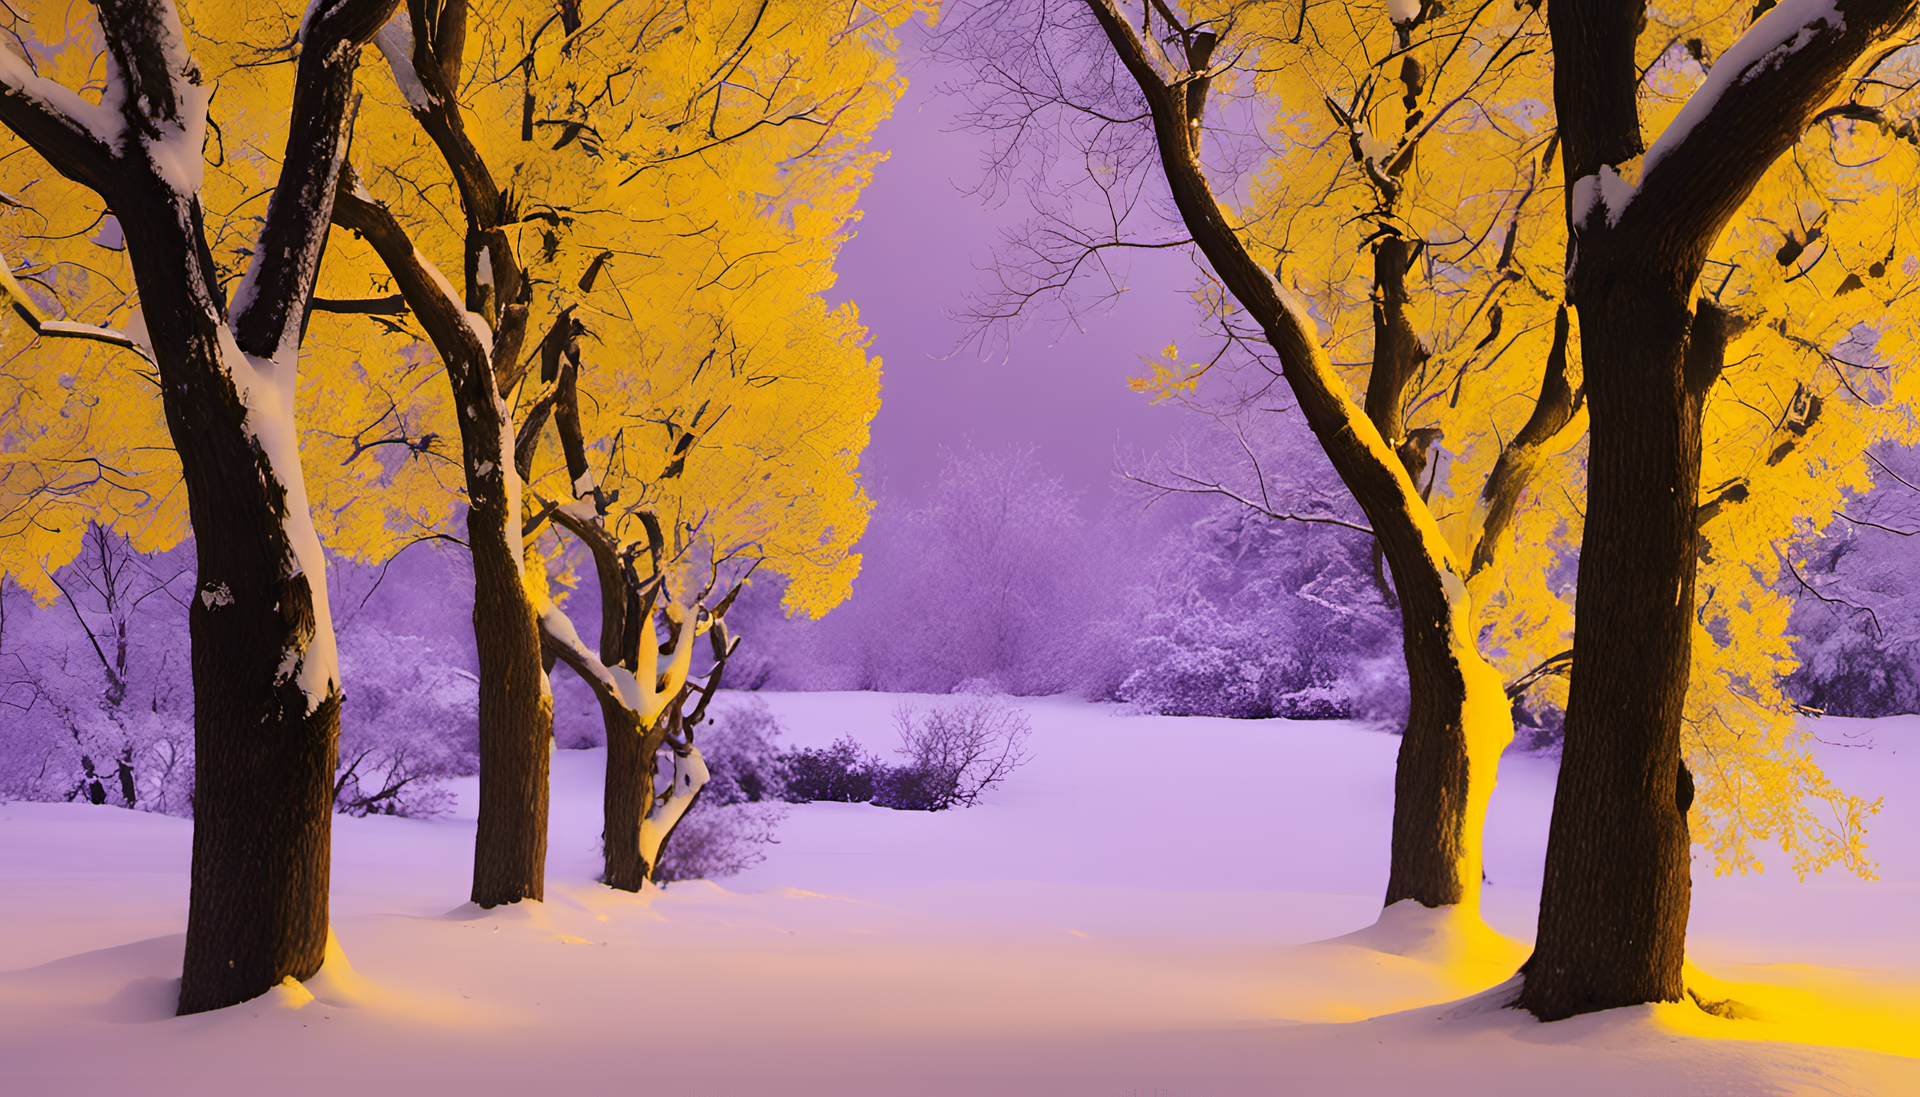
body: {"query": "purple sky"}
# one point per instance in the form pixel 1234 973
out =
pixel 910 266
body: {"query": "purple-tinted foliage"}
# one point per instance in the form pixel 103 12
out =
pixel 96 694
pixel 735 816
pixel 1856 615
pixel 993 579
pixel 407 667
pixel 842 773
pixel 955 754
pixel 1185 601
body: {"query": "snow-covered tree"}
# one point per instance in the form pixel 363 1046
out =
pixel 109 106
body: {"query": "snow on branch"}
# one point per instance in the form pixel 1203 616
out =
pixel 45 328
pixel 1754 106
pixel 463 340
pixel 55 119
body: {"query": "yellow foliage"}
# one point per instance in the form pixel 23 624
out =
pixel 684 175
pixel 1815 260
pixel 1166 377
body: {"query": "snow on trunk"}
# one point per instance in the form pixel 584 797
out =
pixel 1786 28
pixel 395 41
pixel 689 777
pixel 267 388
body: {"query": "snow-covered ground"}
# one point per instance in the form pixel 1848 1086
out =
pixel 1133 913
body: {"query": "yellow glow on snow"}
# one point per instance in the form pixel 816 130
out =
pixel 1796 1003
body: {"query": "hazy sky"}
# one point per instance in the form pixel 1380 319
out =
pixel 909 268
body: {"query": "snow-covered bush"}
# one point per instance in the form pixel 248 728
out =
pixel 743 760
pixel 843 772
pixel 1856 611
pixel 989 580
pixel 954 754
pixel 1245 616
pixel 733 819
pixel 410 718
pixel 95 694
pixel 712 843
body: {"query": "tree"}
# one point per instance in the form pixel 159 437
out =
pixel 1615 897
pixel 642 683
pixel 675 205
pixel 266 691
pixel 1118 79
pixel 1446 335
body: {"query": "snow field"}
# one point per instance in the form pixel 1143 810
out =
pixel 1131 913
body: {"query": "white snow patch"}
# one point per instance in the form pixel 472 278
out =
pixel 1607 188
pixel 475 323
pixel 1011 948
pixel 267 388
pixel 689 777
pixel 395 41
pixel 103 119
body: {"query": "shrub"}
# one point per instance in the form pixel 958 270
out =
pixel 954 753
pixel 733 820
pixel 843 772
pixel 410 720
pixel 716 841
pixel 743 763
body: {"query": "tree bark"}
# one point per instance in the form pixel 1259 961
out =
pixel 516 707
pixel 627 797
pixel 1616 892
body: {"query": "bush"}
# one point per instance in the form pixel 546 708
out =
pixel 843 772
pixel 954 753
pixel 410 720
pixel 733 820
pixel 743 764
pixel 716 841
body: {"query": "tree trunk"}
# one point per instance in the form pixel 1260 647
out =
pixel 516 707
pixel 628 796
pixel 1459 720
pixel 1617 889
pixel 1616 892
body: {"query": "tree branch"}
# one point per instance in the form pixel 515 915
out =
pixel 451 327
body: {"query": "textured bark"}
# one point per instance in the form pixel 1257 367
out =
pixel 516 709
pixel 1617 889
pixel 627 797
pixel 1616 893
